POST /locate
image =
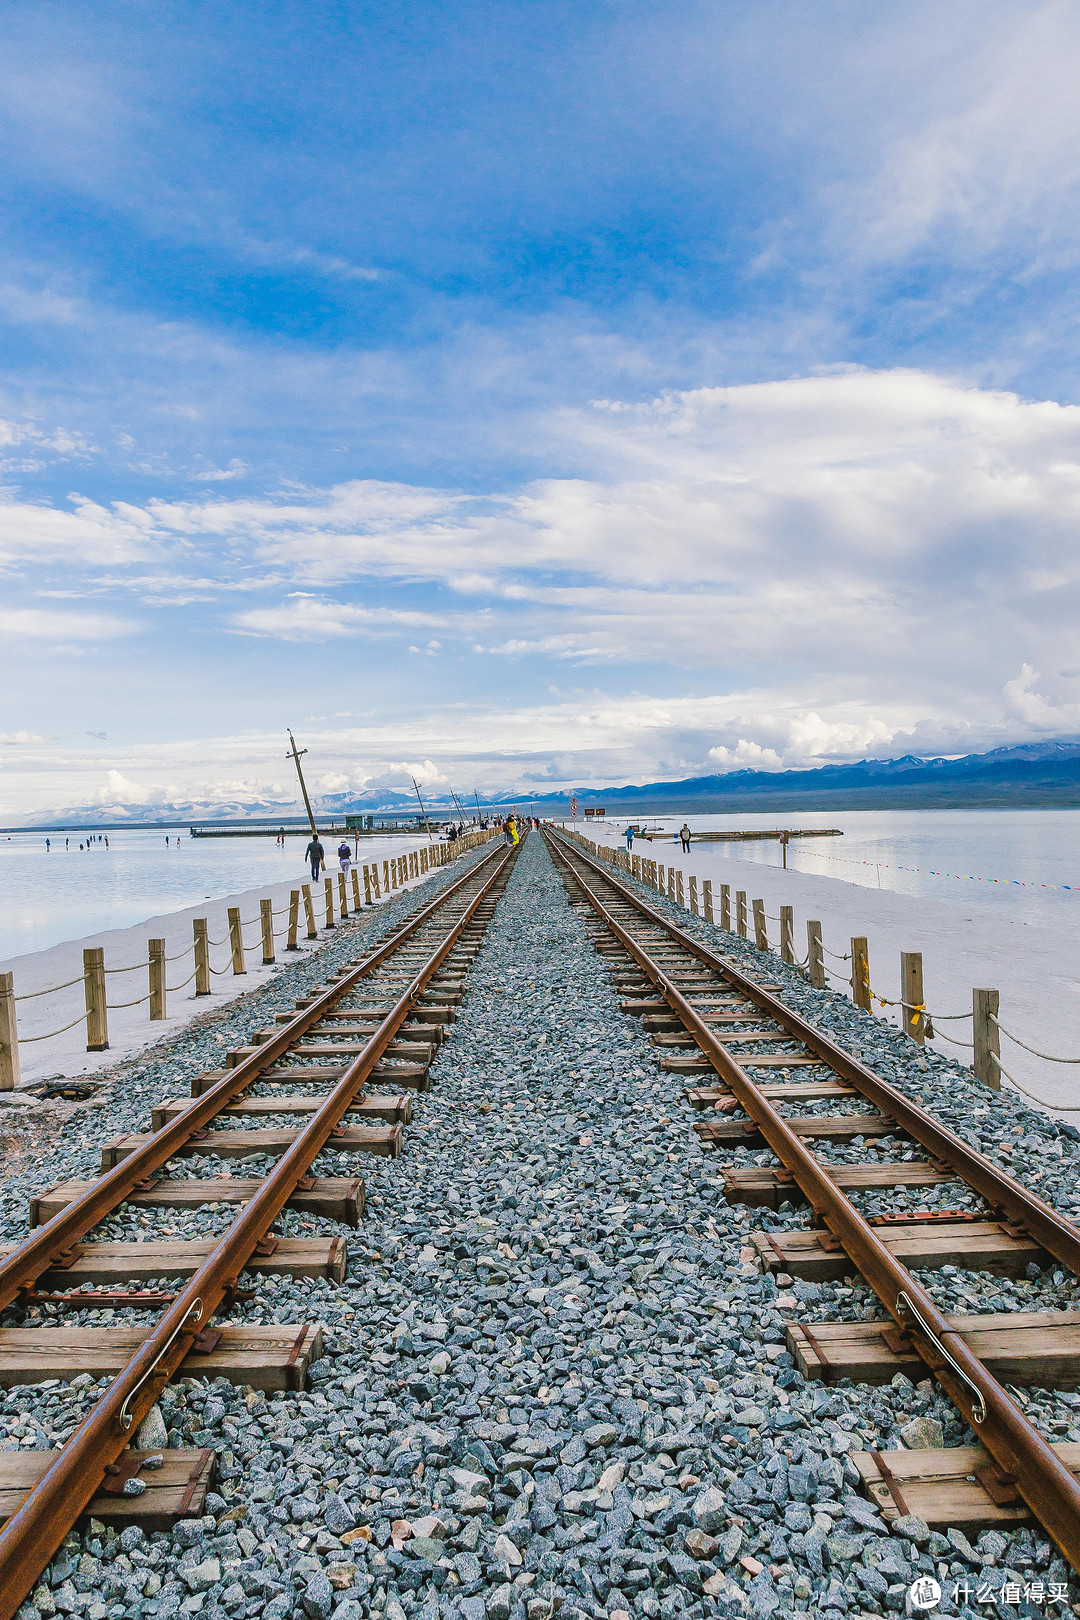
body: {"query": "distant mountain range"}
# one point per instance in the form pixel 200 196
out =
pixel 1025 776
pixel 1029 775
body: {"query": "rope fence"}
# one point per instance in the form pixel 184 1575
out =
pixel 380 881
pixel 915 1018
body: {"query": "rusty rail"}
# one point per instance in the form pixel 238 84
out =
pixel 1046 1485
pixel 31 1536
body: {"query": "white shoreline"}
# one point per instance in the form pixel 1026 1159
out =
pixel 130 1029
pixel 1035 966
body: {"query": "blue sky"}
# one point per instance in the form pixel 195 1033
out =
pixel 531 394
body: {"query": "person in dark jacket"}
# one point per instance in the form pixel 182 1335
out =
pixel 316 855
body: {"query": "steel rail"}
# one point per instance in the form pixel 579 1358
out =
pixel 38 1252
pixel 31 1536
pixel 1047 1486
pixel 1055 1232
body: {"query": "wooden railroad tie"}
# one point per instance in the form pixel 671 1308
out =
pixel 389 1107
pixel 794 1091
pixel 423 1015
pixel 341 1198
pixel 1017 1347
pixel 759 1185
pixel 267 1358
pixel 176 1489
pixel 417 1051
pixel 823 1127
pixel 955 1487
pixel 114 1264
pixel 413 1076
pixel 382 1140
pixel 978 1245
pixel 698 1063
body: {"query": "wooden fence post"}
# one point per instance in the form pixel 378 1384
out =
pixel 309 912
pixel 328 901
pixel 815 955
pixel 236 941
pixel 984 1009
pixel 693 897
pixel 671 883
pixel 343 898
pixel 356 890
pixel 202 956
pixel 9 1035
pixel 635 865
pixel 911 993
pixel 706 899
pixel 740 913
pixel 291 943
pixel 367 886
pixel 97 1017
pixel 386 876
pixel 266 912
pixel 725 906
pixel 157 979
pixel 860 974
pixel 678 889
pixel 661 881
pixel 787 935
pixel 761 932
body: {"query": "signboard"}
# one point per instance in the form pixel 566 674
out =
pixel 601 812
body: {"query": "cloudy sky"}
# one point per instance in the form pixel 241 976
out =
pixel 531 394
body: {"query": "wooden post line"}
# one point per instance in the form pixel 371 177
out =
pixel 157 979
pixel 9 1035
pixel 97 1018
pixel 202 956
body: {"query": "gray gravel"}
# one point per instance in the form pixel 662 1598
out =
pixel 554 1358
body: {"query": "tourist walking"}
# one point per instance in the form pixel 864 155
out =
pixel 629 838
pixel 684 838
pixel 344 856
pixel 316 855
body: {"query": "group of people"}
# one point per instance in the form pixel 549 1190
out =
pixel 315 855
pixel 681 837
pixel 91 838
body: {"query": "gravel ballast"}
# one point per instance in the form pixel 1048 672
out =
pixel 554 1380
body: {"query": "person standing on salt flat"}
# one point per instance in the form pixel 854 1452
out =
pixel 316 854
pixel 684 838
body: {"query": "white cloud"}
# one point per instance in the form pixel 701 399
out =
pixel 36 624
pixel 1036 711
pixel 746 756
pixel 310 618
pixel 987 155
pixel 17 737
pixel 847 563
pixel 221 475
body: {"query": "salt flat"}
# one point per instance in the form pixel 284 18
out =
pixel 1034 964
pixel 130 1029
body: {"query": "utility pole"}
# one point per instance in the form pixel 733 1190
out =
pixel 460 811
pixel 420 802
pixel 296 755
pixel 479 816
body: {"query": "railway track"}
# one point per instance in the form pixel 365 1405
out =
pixel 766 1072
pixel 337 1073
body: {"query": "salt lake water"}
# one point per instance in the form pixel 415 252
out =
pixel 47 896
pixel 1025 862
